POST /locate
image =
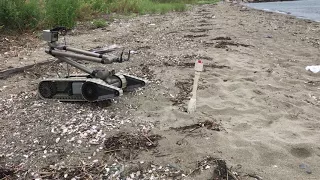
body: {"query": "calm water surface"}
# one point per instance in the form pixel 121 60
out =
pixel 307 9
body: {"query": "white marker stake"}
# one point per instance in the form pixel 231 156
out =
pixel 193 101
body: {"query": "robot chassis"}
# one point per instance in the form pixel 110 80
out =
pixel 95 86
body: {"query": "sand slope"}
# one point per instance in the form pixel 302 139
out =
pixel 266 101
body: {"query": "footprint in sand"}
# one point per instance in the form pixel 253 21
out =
pixel 242 127
pixel 300 152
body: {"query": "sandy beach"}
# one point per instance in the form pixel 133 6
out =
pixel 263 104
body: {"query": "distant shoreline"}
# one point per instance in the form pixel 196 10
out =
pixel 260 1
pixel 307 9
pixel 257 1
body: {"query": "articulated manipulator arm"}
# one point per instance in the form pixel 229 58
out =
pixel 105 58
pixel 85 55
pixel 61 53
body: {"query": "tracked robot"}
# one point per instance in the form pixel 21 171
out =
pixel 96 85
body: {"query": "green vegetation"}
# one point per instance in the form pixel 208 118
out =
pixel 17 14
pixel 61 12
pixel 23 15
pixel 99 23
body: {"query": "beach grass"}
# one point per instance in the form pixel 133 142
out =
pixel 29 15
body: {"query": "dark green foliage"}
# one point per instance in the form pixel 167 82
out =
pixel 61 12
pixel 99 23
pixel 19 14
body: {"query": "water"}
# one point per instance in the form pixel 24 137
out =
pixel 307 9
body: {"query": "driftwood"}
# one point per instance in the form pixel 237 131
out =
pixel 4 74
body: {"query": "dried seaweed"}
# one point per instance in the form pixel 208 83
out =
pixel 6 173
pixel 127 146
pixel 221 38
pixel 200 30
pixel 191 65
pixel 220 172
pixel 85 171
pixel 147 72
pixel 195 35
pixel 184 91
pixel 208 124
pixel 225 44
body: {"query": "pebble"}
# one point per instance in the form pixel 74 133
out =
pixel 306 168
pixel 132 175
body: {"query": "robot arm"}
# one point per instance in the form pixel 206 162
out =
pixel 51 36
pixel 69 54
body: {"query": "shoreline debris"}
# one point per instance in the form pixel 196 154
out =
pixel 314 68
pixel 125 146
pixel 211 125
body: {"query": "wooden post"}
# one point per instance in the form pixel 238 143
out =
pixel 193 101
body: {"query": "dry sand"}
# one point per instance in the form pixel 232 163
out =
pixel 255 85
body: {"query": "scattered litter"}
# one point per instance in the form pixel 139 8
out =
pixel 3 88
pixel 133 52
pixel 314 69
